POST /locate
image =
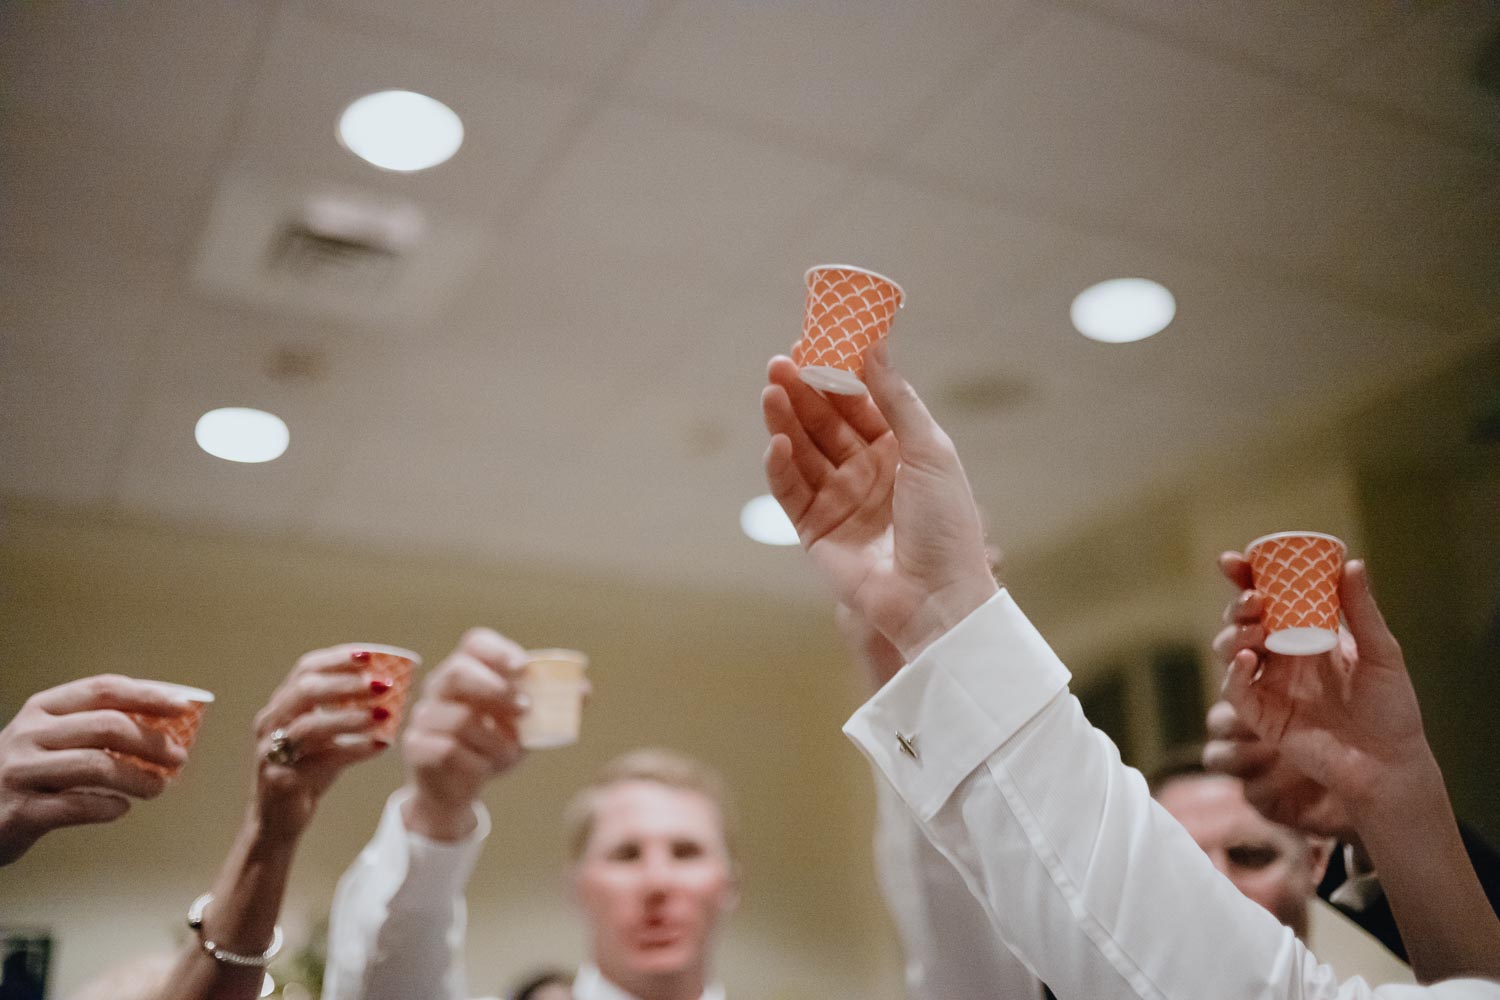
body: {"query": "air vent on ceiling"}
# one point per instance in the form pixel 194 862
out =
pixel 344 243
pixel 344 254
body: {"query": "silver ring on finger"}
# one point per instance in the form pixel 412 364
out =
pixel 283 750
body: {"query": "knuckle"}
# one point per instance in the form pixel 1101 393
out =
pixel 102 685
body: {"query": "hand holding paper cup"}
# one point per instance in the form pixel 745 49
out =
pixel 393 668
pixel 848 310
pixel 553 683
pixel 1298 573
pixel 181 729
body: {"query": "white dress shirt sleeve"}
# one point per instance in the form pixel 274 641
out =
pixel 950 948
pixel 1082 874
pixel 396 931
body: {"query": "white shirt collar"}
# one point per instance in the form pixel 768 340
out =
pixel 590 984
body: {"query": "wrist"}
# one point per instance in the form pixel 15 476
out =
pixel 940 612
pixel 264 836
pixel 438 818
pixel 1397 793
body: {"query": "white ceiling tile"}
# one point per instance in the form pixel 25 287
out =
pixel 843 75
pixel 207 356
pixel 73 199
pixel 65 402
pixel 1322 190
pixel 164 73
pixel 572 40
pixel 691 202
pixel 1083 113
pixel 313 69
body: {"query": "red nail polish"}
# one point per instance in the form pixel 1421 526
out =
pixel 379 686
pixel 380 713
pixel 382 744
pixel 361 657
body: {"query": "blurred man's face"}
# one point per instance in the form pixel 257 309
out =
pixel 1274 865
pixel 654 880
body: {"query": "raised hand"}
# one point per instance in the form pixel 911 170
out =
pixel 462 733
pixel 325 727
pixel 880 501
pixel 1273 785
pixel 55 770
pixel 1348 721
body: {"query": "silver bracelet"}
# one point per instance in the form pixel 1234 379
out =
pixel 195 921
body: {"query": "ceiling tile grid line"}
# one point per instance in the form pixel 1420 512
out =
pixel 596 100
pixel 138 402
pixel 903 134
pixel 1319 86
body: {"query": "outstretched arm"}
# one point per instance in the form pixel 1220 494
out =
pixel 1087 880
pixel 319 709
pixel 398 922
pixel 1352 726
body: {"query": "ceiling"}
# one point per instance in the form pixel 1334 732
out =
pixel 622 236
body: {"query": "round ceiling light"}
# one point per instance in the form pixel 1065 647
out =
pixel 1123 310
pixel 764 520
pixel 401 130
pixel 240 434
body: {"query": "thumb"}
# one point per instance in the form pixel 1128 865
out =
pixel 898 402
pixel 1377 647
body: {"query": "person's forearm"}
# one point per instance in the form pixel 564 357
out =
pixel 1446 922
pixel 241 918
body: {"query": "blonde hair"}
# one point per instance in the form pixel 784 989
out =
pixel 664 767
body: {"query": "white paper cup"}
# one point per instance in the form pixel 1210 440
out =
pixel 553 681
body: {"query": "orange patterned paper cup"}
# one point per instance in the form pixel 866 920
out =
pixel 1298 572
pixel 553 681
pixel 181 729
pixel 387 663
pixel 848 310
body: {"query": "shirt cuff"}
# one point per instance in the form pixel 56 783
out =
pixel 950 709
pixel 436 871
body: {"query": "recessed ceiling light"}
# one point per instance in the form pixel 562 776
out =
pixel 401 130
pixel 764 520
pixel 1123 309
pixel 240 434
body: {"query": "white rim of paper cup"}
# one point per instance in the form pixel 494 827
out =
pixel 185 692
pixel 571 655
pixel 1273 536
pixel 376 647
pixel 807 278
pixel 832 380
pixel 1302 641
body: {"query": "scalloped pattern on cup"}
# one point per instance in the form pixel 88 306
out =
pixel 846 313
pixel 1299 576
pixel 399 671
pixel 181 729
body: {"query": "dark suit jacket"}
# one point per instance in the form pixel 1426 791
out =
pixel 1377 918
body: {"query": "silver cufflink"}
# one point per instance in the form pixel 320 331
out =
pixel 908 744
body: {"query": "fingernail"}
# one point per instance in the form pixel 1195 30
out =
pixel 523 702
pixel 381 744
pixel 361 657
pixel 379 686
pixel 380 713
